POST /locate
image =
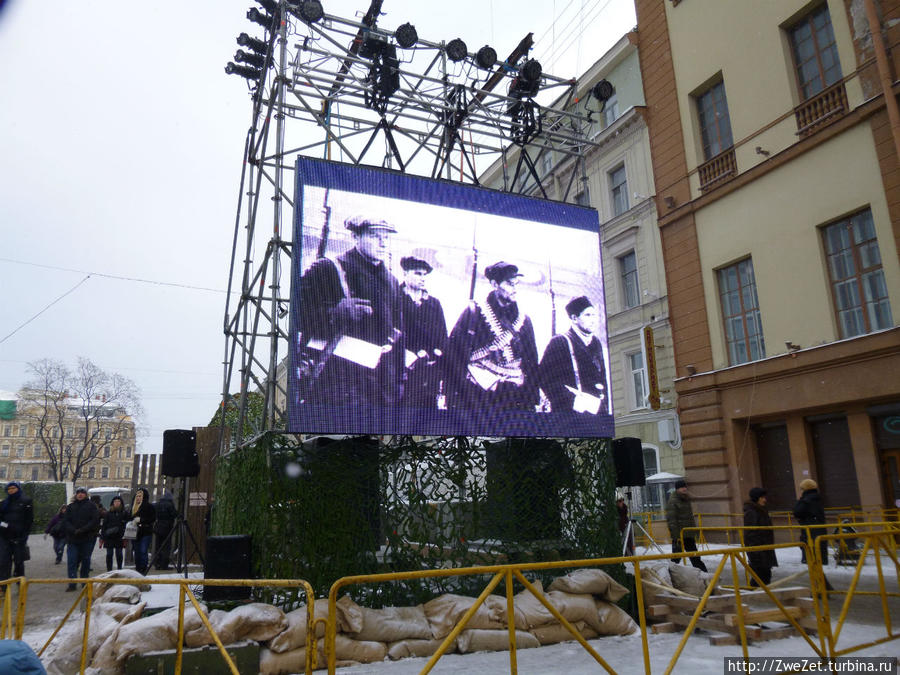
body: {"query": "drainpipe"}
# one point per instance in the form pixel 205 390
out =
pixel 884 73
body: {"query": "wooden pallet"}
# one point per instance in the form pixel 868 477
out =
pixel 722 615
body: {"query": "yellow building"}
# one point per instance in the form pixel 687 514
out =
pixel 24 456
pixel 778 190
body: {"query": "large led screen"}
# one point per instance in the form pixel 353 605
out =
pixel 426 307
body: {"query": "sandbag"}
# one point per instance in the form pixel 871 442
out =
pixel 614 620
pixel 119 611
pixel 104 659
pixel 689 579
pixel 592 581
pixel 294 661
pixel 348 617
pixel 421 648
pixel 392 624
pixel 199 635
pixel 152 633
pixel 445 611
pixel 475 640
pixel 556 632
pixel 361 651
pixel 63 656
pixel 100 589
pixel 529 612
pixel 119 593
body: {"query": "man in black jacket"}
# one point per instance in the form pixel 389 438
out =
pixel 82 519
pixel 16 517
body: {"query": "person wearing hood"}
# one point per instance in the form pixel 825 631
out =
pixel 679 515
pixel 113 530
pixel 144 515
pixel 166 514
pixel 756 514
pixel 55 528
pixel 16 518
pixel 82 519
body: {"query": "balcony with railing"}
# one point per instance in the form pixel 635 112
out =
pixel 826 107
pixel 717 170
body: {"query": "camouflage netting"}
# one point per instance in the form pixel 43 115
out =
pixel 332 508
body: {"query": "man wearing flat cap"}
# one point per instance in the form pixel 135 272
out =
pixel 425 334
pixel 573 373
pixel 492 359
pixel 351 323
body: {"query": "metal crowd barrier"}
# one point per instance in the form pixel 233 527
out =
pixel 879 542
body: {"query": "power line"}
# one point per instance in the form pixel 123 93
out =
pixel 45 309
pixel 114 276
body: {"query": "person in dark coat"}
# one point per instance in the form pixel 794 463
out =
pixel 756 514
pixel 810 510
pixel 144 515
pixel 492 360
pixel 16 518
pixel 425 335
pixel 573 372
pixel 353 296
pixel 56 529
pixel 166 514
pixel 112 531
pixel 82 519
pixel 99 504
pixel 679 515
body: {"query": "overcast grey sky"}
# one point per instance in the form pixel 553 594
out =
pixel 120 154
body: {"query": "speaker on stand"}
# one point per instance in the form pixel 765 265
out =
pixel 628 458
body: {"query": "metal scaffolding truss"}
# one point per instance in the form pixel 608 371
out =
pixel 333 89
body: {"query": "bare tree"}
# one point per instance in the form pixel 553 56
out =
pixel 78 413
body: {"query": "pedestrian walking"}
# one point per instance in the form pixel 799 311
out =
pixel 166 513
pixel 680 515
pixel 144 515
pixel 112 532
pixel 56 529
pixel 16 518
pixel 810 510
pixel 81 522
pixel 756 514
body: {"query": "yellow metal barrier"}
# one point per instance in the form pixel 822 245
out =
pixel 184 591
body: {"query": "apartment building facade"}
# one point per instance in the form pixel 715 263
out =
pixel 24 457
pixel 775 158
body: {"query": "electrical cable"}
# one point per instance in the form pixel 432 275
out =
pixel 114 276
pixel 21 326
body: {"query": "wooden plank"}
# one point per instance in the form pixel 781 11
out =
pixel 778 633
pixel 658 610
pixel 715 603
pixel 723 640
pixel 663 627
pixel 806 603
pixel 715 622
pixel 755 597
pixel 766 615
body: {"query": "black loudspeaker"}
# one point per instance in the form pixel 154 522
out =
pixel 179 455
pixel 227 557
pixel 628 458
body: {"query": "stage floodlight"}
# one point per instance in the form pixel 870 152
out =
pixel 406 35
pixel 375 43
pixel 264 20
pixel 456 50
pixel 311 11
pixel 532 70
pixel 244 71
pixel 603 90
pixel 486 57
pixel 258 46
pixel 254 60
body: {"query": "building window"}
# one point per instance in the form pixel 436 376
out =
pixel 127 472
pixel 715 124
pixel 49 473
pixel 815 52
pixel 104 472
pixel 120 453
pixel 4 450
pixel 92 472
pixel 106 451
pixel 69 432
pixel 36 451
pixel 55 433
pixel 108 434
pixel 857 280
pixel 17 474
pixel 128 452
pixel 618 187
pixel 2 472
pixel 611 110
pixel 20 450
pixel 629 276
pixel 636 367
pixel 23 430
pixel 7 430
pixel 34 473
pixel 740 311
